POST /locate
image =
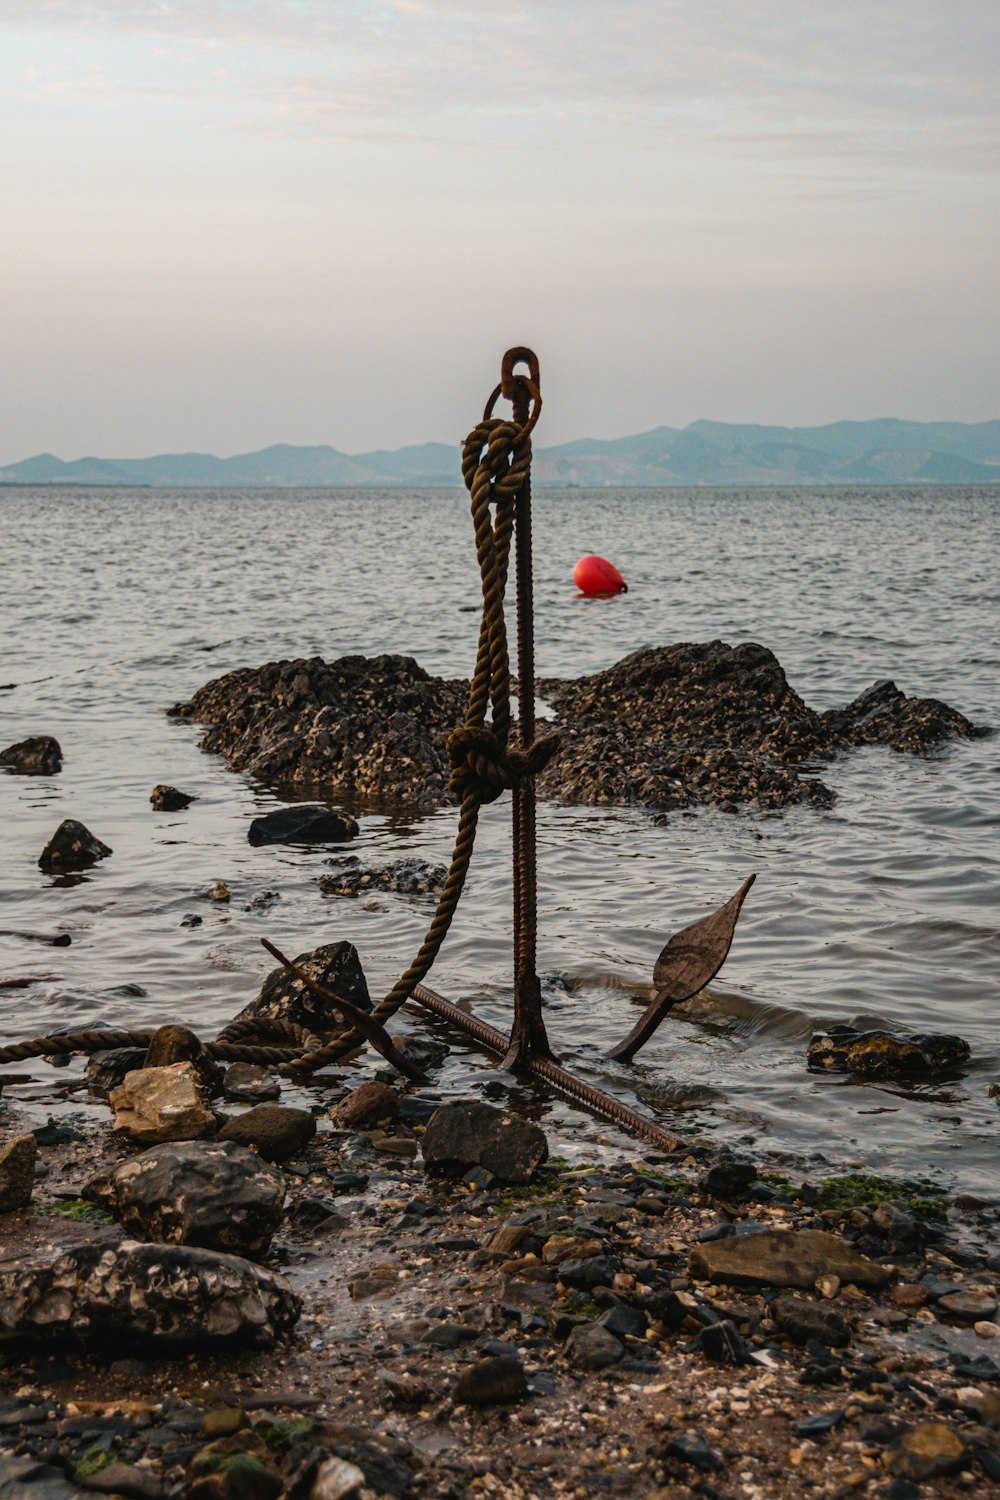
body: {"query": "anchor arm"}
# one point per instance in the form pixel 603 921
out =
pixel 687 962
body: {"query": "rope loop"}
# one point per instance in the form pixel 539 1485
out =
pixel 482 767
pixel 504 463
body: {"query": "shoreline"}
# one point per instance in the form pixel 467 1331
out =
pixel 410 1281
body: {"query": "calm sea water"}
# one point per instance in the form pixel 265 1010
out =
pixel 883 910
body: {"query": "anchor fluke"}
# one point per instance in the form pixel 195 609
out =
pixel 687 962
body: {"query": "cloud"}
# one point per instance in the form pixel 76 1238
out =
pixel 887 79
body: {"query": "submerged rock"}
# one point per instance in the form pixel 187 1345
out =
pixel 250 1084
pixel 17 1172
pixel 215 1194
pixel 41 755
pixel 407 877
pixel 459 1136
pixel 883 715
pixel 169 799
pixel 880 1054
pixel 302 825
pixel 106 1070
pixel 173 1296
pixel 72 847
pixel 283 997
pixel 782 1257
pixel 162 1104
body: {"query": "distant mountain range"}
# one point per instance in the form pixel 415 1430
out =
pixel 886 451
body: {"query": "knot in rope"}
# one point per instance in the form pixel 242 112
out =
pixel 482 767
pixel 505 462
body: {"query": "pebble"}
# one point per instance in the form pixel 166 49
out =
pixel 969 1306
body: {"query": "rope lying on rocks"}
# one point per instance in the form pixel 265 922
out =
pixel 227 1046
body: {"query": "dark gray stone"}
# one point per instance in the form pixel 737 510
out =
pixel 624 1321
pixel 729 1176
pixel 721 1343
pixel 462 1136
pixel 169 799
pixel 72 847
pixel 274 1130
pixel 695 1452
pixel 40 755
pixel 801 1321
pixel 449 1335
pixel 880 1054
pixel 106 1070
pixel 170 1296
pixel 249 1083
pixel 282 997
pixel 781 1257
pixel 27 1479
pixel 584 1275
pixel 591 1347
pixel 17 1172
pixel 303 824
pixel 216 1194
pixel 491 1382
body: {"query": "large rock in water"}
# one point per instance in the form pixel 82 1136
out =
pixel 40 755
pixel 783 1257
pixel 880 1054
pixel 459 1136
pixel 172 1296
pixel 367 726
pixel 304 824
pixel 169 799
pixel 671 726
pixel 883 715
pixel 162 1104
pixel 72 847
pixel 215 1194
pixel 283 997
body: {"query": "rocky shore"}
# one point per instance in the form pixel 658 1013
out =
pixel 238 1286
pixel 633 1325
pixel 670 727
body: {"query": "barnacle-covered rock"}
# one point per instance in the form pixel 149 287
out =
pixel 171 1296
pixel 882 1054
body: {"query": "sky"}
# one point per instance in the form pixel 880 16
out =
pixel 230 223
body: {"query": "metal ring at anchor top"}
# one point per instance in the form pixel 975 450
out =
pixel 508 382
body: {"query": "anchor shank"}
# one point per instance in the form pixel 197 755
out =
pixel 528 1032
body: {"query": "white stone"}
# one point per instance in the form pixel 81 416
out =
pixel 335 1479
pixel 162 1104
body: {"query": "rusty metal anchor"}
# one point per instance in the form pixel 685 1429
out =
pixel 496 467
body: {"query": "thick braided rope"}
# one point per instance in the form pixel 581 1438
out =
pixel 496 458
pixel 67 1043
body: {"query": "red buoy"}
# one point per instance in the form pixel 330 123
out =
pixel 595 575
